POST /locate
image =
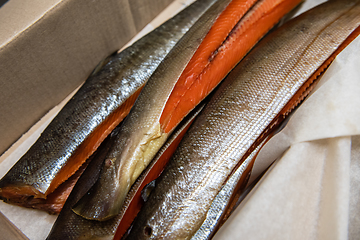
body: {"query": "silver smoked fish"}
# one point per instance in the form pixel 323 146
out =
pixel 253 100
pixel 193 68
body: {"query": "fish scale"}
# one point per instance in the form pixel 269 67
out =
pixel 69 225
pixel 256 94
pixel 163 103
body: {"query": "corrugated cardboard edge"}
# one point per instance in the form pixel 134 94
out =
pixel 55 54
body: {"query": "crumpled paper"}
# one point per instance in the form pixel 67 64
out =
pixel 309 193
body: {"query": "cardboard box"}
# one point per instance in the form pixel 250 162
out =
pixel 48 48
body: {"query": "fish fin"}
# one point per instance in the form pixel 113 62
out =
pixel 145 192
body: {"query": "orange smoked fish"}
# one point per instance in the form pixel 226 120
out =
pixel 193 68
pixel 253 100
pixel 100 104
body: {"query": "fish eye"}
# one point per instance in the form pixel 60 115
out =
pixel 148 231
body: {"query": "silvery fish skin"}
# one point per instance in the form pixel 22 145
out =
pixel 141 136
pixel 226 199
pixel 144 184
pixel 243 110
pixel 100 96
pixel 69 225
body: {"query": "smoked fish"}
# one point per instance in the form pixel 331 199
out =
pixel 93 112
pixel 253 100
pixel 191 70
pixel 69 225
